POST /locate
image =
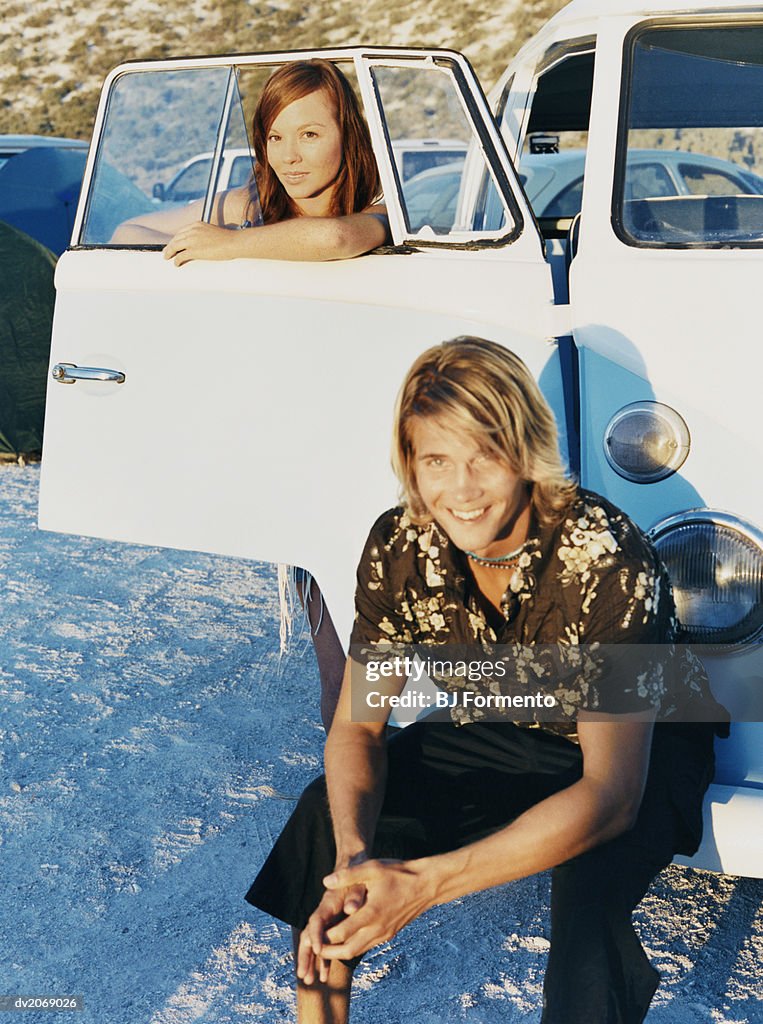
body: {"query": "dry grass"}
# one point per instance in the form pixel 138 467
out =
pixel 56 53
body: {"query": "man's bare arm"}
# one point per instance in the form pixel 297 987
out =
pixel 596 808
pixel 356 771
pixel 356 763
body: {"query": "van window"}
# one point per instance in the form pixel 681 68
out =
pixel 552 158
pixel 156 148
pixel 445 178
pixel 156 123
pixel 693 106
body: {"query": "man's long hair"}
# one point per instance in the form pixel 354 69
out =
pixel 483 391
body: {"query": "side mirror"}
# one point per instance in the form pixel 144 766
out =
pixel 158 191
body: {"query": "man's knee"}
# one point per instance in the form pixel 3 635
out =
pixel 315 794
pixel 312 818
pixel 610 879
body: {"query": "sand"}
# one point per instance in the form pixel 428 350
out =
pixel 152 746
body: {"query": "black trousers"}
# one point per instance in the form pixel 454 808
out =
pixel 448 786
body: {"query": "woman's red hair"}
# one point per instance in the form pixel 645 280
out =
pixel 357 184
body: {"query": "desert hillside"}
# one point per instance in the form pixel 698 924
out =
pixel 54 54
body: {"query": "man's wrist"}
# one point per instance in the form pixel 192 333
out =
pixel 437 878
pixel 351 856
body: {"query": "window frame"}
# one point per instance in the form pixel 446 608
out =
pixel 621 149
pixel 551 58
pixel 488 136
pixel 470 93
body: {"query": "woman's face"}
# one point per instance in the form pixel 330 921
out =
pixel 304 148
pixel 477 498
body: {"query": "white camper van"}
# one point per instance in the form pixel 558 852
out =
pixel 272 383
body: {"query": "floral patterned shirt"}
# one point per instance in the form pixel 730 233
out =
pixel 581 586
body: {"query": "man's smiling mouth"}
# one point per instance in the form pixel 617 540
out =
pixel 467 517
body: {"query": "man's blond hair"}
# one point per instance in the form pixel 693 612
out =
pixel 485 392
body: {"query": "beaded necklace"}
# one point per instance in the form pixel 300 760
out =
pixel 502 562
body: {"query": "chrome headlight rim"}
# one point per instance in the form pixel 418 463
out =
pixel 714 517
pixel 675 423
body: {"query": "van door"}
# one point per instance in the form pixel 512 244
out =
pixel 663 286
pixel 245 407
pixel 664 294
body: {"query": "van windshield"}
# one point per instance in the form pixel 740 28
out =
pixel 690 163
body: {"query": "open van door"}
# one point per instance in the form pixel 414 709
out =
pixel 245 407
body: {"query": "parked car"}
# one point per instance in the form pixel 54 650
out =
pixel 641 334
pixel 191 181
pixel 431 197
pixel 553 183
pixel 413 156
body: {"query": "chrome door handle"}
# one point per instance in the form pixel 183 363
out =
pixel 69 373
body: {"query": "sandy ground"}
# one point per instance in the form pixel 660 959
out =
pixel 152 746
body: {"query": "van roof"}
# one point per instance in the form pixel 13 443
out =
pixel 584 9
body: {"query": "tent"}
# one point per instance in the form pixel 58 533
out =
pixel 26 318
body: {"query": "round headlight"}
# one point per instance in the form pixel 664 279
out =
pixel 646 441
pixel 715 563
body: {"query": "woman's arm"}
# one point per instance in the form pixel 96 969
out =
pixel 158 228
pixel 301 238
pixel 596 808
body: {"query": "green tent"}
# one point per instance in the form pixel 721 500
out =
pixel 26 318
